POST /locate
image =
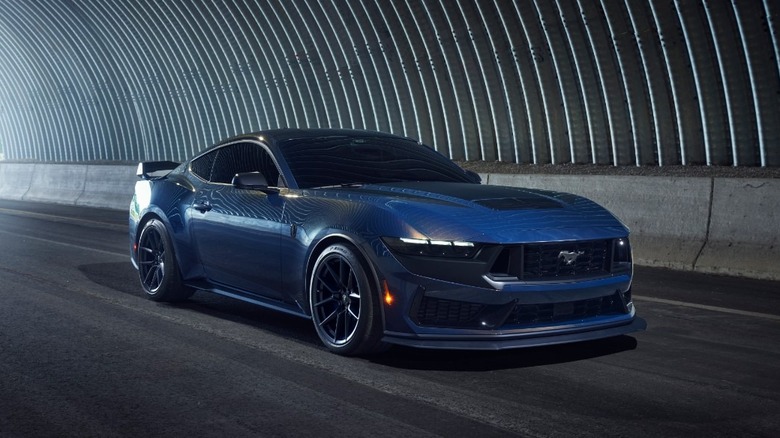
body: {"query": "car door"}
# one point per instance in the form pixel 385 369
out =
pixel 237 232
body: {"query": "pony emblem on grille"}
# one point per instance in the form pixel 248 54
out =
pixel 569 257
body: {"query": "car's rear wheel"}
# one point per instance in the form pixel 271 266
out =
pixel 157 268
pixel 344 302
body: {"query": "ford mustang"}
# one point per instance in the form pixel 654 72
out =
pixel 380 240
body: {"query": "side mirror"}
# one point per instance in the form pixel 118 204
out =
pixel 253 181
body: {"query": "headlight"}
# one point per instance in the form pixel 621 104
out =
pixel 621 255
pixel 431 248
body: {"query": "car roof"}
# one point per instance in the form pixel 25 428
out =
pixel 277 136
pixel 283 134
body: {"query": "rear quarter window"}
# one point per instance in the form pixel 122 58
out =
pixel 202 166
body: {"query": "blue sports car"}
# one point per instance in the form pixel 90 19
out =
pixel 380 240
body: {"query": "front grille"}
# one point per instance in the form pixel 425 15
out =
pixel 436 312
pixel 447 313
pixel 525 314
pixel 554 261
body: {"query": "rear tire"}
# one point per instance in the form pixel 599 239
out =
pixel 344 303
pixel 157 267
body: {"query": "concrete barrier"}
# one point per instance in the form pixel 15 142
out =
pixel 56 183
pixel 90 185
pixel 15 180
pixel 744 233
pixel 108 186
pixel 714 225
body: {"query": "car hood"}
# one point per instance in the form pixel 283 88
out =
pixel 485 213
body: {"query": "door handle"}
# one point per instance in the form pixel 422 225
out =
pixel 202 206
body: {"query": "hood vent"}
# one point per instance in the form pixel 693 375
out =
pixel 520 203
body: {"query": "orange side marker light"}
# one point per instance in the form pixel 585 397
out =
pixel 389 298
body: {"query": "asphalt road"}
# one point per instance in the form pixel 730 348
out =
pixel 83 353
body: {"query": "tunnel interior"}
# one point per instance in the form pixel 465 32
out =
pixel 622 83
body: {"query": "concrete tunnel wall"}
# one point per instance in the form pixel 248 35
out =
pixel 620 82
pixel 710 225
pixel 624 82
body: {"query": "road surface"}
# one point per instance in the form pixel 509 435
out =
pixel 84 353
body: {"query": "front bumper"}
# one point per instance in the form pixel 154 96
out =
pixel 431 313
pixel 498 341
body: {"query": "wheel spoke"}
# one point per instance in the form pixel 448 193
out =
pixel 325 284
pixel 342 268
pixel 332 273
pixel 351 281
pixel 325 301
pixel 342 323
pixel 351 313
pixel 149 274
pixel 158 278
pixel 331 316
pixel 336 326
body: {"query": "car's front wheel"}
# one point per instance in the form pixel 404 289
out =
pixel 344 302
pixel 157 266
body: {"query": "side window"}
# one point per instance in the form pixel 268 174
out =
pixel 243 157
pixel 202 166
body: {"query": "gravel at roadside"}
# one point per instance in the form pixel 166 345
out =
pixel 592 169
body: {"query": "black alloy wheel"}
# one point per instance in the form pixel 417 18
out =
pixel 157 267
pixel 344 303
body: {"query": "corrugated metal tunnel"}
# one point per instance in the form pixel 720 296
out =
pixel 529 81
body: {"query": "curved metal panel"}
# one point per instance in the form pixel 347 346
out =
pixel 495 119
pixel 625 52
pixel 535 107
pixel 380 102
pixel 733 70
pixel 450 42
pixel 12 108
pixel 653 74
pixel 395 62
pixel 561 152
pixel 429 79
pixel 527 81
pixel 505 123
pixel 44 56
pixel 709 93
pixel 608 69
pixel 356 66
pixel 410 60
pixel 544 75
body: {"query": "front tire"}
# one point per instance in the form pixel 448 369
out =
pixel 344 303
pixel 157 268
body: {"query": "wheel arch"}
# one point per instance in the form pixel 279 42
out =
pixel 368 265
pixel 147 217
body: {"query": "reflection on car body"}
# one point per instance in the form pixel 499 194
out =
pixel 381 240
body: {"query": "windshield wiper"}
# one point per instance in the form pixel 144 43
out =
pixel 345 185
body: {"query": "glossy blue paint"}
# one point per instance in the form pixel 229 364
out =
pixel 259 245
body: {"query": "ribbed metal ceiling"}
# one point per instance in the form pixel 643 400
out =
pixel 533 81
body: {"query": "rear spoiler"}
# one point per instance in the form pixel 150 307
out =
pixel 155 169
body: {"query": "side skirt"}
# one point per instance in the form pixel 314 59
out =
pixel 268 303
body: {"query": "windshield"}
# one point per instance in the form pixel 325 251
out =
pixel 344 160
